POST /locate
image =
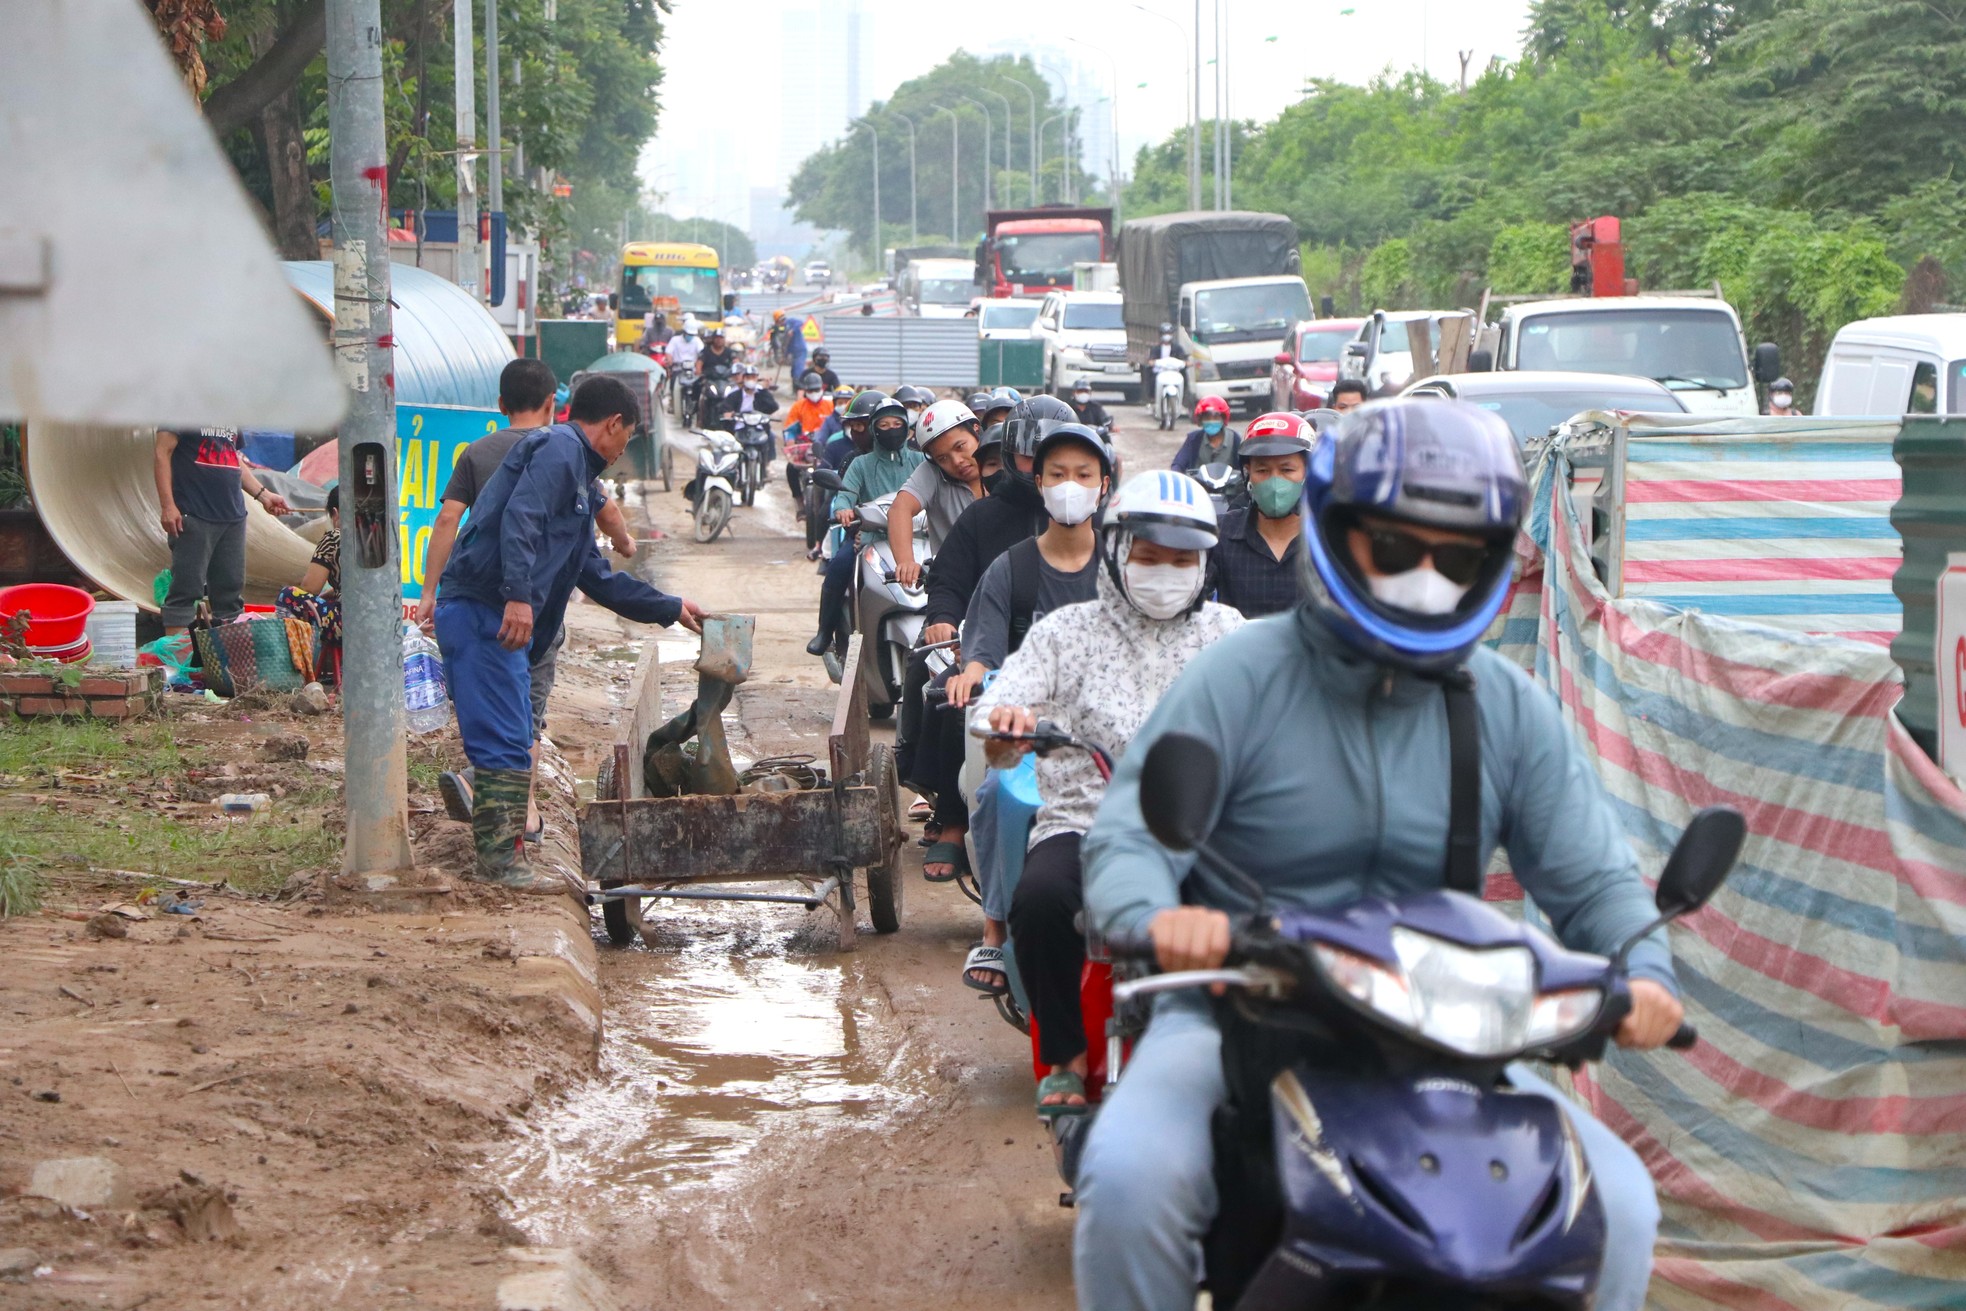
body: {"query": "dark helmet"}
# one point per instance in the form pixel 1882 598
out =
pixel 864 405
pixel 1004 398
pixel 1080 433
pixel 978 401
pixel 1437 464
pixel 1782 384
pixel 819 356
pixel 909 394
pixel 891 438
pixel 991 441
pixel 810 381
pixel 1032 420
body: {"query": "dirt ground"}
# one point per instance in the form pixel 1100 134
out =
pixel 319 1106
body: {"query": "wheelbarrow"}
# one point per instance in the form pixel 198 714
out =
pixel 635 847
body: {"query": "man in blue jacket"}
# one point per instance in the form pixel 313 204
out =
pixel 528 544
pixel 1330 723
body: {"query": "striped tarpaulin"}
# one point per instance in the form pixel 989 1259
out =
pixel 1788 527
pixel 1811 1152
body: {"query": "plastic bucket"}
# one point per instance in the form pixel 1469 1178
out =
pixel 59 613
pixel 112 631
pixel 76 653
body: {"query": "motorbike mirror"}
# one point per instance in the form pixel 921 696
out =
pixel 826 478
pixel 1701 859
pixel 1355 350
pixel 1179 782
pixel 1767 362
pixel 1482 361
pixel 1281 357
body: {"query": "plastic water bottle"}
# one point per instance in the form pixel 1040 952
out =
pixel 424 695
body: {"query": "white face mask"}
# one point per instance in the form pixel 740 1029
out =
pixel 1780 399
pixel 1419 591
pixel 750 385
pixel 1162 591
pixel 812 396
pixel 1070 503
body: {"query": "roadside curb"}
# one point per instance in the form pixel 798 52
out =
pixel 559 970
pixel 551 1279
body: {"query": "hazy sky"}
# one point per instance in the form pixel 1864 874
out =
pixel 726 64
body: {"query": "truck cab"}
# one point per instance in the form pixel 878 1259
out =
pixel 937 288
pixel 1691 344
pixel 1031 251
pixel 1230 330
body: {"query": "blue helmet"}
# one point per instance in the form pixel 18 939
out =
pixel 1433 463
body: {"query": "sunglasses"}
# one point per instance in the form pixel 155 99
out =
pixel 1397 552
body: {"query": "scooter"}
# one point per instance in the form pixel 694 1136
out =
pixel 1224 485
pixel 753 431
pixel 1373 1152
pixel 708 410
pixel 887 615
pixel 1170 381
pixel 713 489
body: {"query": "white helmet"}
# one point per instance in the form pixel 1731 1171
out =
pixel 939 418
pixel 690 324
pixel 1168 509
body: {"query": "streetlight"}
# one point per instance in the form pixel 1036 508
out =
pixel 986 146
pixel 1194 102
pixel 1061 145
pixel 1033 156
pixel 1007 126
pixel 955 169
pixel 914 237
pixel 1113 67
pixel 1065 137
pixel 875 245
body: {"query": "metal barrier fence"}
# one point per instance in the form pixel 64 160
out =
pixel 890 351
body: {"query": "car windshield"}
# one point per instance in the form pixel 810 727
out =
pixel 1013 315
pixel 1531 414
pixel 1688 350
pixel 947 291
pixel 1093 314
pixel 694 290
pixel 1323 345
pixel 1046 256
pixel 1957 372
pixel 1250 313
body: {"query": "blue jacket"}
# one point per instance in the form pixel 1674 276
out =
pixel 530 537
pixel 836 449
pixel 1335 785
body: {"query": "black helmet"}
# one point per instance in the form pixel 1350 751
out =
pixel 810 381
pixel 886 407
pixel 992 438
pixel 1080 433
pixel 864 405
pixel 1031 421
pixel 978 401
pixel 819 356
pixel 909 394
pixel 1782 384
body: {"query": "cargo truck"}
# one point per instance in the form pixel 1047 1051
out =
pixel 1228 283
pixel 1027 252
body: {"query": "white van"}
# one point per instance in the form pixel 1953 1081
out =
pixel 1905 364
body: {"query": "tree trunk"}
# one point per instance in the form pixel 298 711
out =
pixel 295 209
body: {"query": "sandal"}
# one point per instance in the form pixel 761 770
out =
pixel 457 796
pixel 1061 1084
pixel 951 854
pixel 985 959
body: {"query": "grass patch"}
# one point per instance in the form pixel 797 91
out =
pixel 21 885
pixel 45 746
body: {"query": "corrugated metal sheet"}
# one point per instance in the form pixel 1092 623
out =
pixel 449 348
pixel 882 352
pixel 1930 517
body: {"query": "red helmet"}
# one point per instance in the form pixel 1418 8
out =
pixel 1211 405
pixel 1280 433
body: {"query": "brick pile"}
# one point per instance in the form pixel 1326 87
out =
pixel 101 694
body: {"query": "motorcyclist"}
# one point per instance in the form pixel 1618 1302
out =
pixel 842 436
pixel 803 422
pixel 684 348
pixel 1781 398
pixel 1164 349
pixel 779 339
pixel 1148 620
pixel 1347 394
pixel 915 398
pixel 751 397
pixel 1090 412
pixel 881 468
pixel 820 365
pixel 1211 440
pixel 997 405
pixel 1256 567
pixel 1411 514
pixel 946 485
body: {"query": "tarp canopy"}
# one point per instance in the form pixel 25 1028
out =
pixel 1157 255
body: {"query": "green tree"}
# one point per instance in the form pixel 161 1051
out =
pixel 1530 258
pixel 1386 280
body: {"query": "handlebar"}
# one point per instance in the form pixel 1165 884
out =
pixel 1686 1036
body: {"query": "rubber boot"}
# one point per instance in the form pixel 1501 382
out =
pixel 498 821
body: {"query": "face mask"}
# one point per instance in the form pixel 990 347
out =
pixel 1082 397
pixel 812 396
pixel 750 386
pixel 1780 399
pixel 1162 591
pixel 1212 427
pixel 1070 503
pixel 890 439
pixel 1276 498
pixel 1419 591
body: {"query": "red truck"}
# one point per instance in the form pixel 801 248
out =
pixel 1029 251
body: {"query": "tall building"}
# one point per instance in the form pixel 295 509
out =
pixel 823 86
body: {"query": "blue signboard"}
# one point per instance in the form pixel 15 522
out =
pixel 429 438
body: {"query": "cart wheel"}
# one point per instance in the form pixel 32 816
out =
pixel 885 881
pixel 622 915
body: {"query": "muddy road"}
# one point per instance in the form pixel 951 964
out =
pixel 776 1124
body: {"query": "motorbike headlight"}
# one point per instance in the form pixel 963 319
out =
pixel 1559 1016
pixel 1474 1002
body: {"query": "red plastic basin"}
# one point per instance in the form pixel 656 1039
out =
pixel 59 613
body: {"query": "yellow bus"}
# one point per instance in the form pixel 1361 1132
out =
pixel 673 278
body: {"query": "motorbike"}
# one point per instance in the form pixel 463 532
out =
pixel 753 432
pixel 887 615
pixel 1170 382
pixel 1224 485
pixel 714 487
pixel 706 408
pixel 1373 1152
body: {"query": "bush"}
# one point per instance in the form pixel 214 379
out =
pixel 1530 259
pixel 1386 280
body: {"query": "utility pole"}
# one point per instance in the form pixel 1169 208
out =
pixel 1228 121
pixel 376 782
pixel 1194 126
pixel 955 170
pixel 1008 128
pixel 495 193
pixel 986 147
pixel 469 272
pixel 914 234
pixel 875 244
pixel 1032 158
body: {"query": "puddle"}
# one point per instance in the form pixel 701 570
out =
pixel 708 1048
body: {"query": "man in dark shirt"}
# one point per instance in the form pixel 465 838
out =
pixel 1091 413
pixel 1257 559
pixel 529 543
pixel 201 494
pixel 822 365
